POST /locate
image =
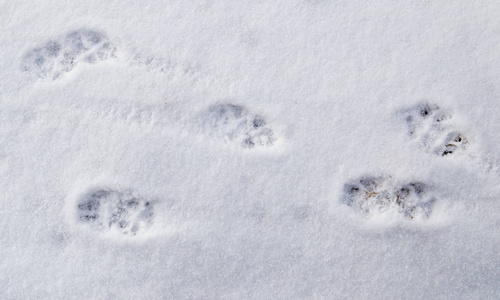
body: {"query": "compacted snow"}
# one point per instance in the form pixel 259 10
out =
pixel 250 149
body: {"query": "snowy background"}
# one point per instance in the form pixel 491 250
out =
pixel 250 149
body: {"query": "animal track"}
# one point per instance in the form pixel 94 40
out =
pixel 370 196
pixel 108 210
pixel 433 128
pixel 62 55
pixel 236 124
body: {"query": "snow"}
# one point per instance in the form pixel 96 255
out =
pixel 198 149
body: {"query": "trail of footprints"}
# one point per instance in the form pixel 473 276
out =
pixel 229 122
pixel 108 210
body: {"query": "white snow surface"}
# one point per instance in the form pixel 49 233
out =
pixel 250 149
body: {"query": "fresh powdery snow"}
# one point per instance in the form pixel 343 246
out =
pixel 298 149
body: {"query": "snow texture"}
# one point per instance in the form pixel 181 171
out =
pixel 299 149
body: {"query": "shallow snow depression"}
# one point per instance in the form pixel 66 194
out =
pixel 290 149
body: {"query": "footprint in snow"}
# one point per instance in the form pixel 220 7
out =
pixel 436 132
pixel 433 128
pixel 59 56
pixel 375 195
pixel 107 210
pixel 235 124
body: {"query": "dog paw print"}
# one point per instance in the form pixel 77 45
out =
pixel 234 123
pixel 434 130
pixel 370 196
pixel 108 210
pixel 60 56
